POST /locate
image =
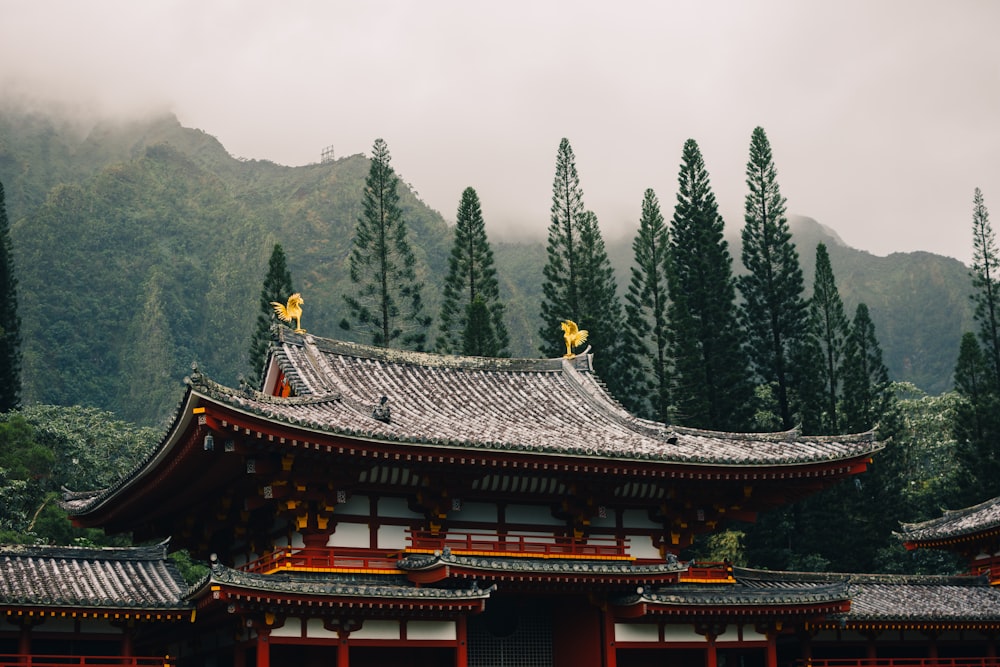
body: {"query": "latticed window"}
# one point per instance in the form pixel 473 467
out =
pixel 508 636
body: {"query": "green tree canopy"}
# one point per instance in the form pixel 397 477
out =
pixel 773 312
pixel 471 277
pixel 277 287
pixel 711 375
pixel 646 323
pixel 386 303
pixel 10 319
pixel 829 326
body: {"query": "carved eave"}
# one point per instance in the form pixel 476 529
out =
pixel 533 572
pixel 240 592
pixel 736 602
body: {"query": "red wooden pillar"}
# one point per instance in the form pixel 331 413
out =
pixel 462 647
pixel 711 654
pixel 126 642
pixel 610 657
pixel 24 639
pixel 772 649
pixel 343 658
pixel 263 647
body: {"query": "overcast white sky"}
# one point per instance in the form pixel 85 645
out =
pixel 883 115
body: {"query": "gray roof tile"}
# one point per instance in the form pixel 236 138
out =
pixel 552 406
pixel 132 578
pixel 954 523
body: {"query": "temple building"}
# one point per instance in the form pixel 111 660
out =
pixel 375 507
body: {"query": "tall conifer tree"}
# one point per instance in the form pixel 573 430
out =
pixel 471 276
pixel 277 287
pixel 711 375
pixel 774 312
pixel 10 319
pixel 986 283
pixel 579 282
pixel 830 327
pixel 646 324
pixel 560 287
pixel 387 304
pixel 976 423
pixel 867 396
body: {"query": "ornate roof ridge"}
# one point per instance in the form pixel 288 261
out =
pixel 949 516
pixel 750 575
pixel 201 382
pixel 552 565
pixel 428 359
pixel 384 586
pixel 61 552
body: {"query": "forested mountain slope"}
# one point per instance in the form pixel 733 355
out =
pixel 141 247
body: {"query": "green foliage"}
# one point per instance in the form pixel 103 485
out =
pixel 774 311
pixel 867 393
pixel 579 281
pixel 10 318
pixel 277 288
pixel 646 324
pixel 711 375
pixel 986 285
pixel 561 286
pixel 471 285
pixel 828 324
pixel 192 571
pixel 48 448
pixel 386 303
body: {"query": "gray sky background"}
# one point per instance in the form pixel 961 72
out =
pixel 883 116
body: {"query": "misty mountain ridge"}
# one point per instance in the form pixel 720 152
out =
pixel 163 239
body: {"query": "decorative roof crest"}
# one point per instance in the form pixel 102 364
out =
pixel 574 337
pixel 291 311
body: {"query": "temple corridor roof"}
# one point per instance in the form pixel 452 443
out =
pixel 955 524
pixel 137 578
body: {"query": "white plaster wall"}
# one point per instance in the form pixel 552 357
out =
pixel 641 546
pixel 291 628
pixel 350 535
pixel 637 519
pixel 439 630
pixel 396 508
pixel 377 630
pixel 355 506
pixel 636 632
pixel 475 512
pixel 315 629
pixel 530 514
pixel 392 537
pixel 681 633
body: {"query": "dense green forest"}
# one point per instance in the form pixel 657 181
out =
pixel 129 233
pixel 141 248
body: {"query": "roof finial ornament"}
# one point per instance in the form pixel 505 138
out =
pixel 574 337
pixel 293 310
pixel 381 411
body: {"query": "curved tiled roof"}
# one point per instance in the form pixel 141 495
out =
pixel 139 578
pixel 327 584
pixel 954 523
pixel 545 566
pixel 551 406
pixel 895 598
pixel 741 595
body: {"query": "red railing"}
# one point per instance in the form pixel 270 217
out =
pixel 520 545
pixel 316 559
pixel 708 573
pixel 23 660
pixel 988 566
pixel 899 662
